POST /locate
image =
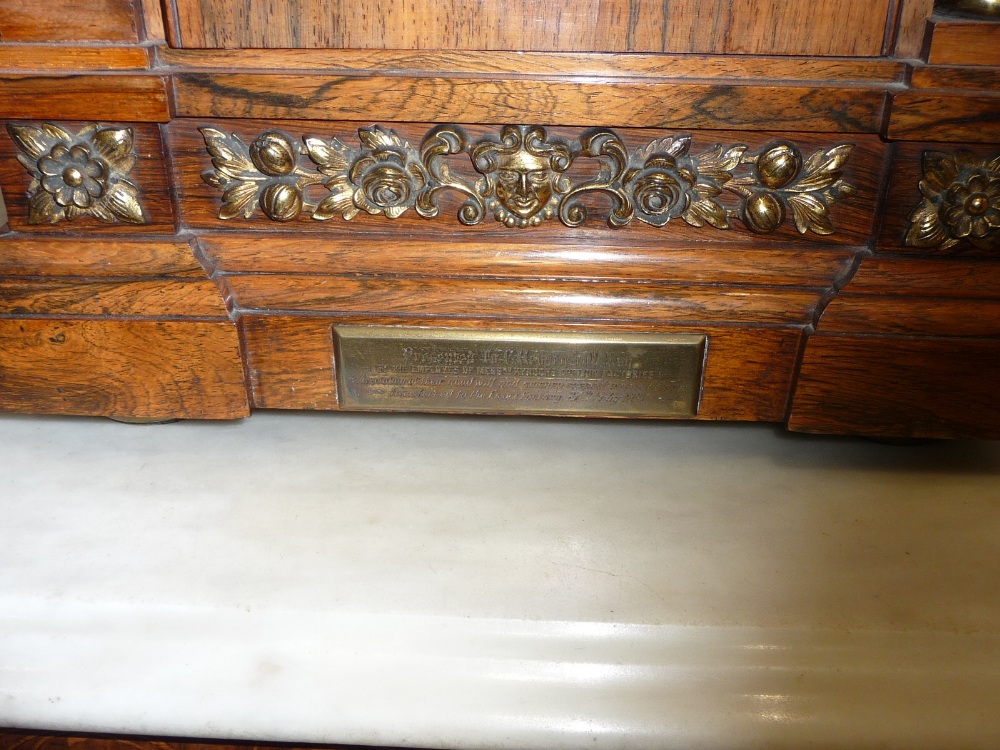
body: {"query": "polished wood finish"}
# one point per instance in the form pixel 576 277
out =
pixel 68 21
pixel 898 387
pixel 35 58
pixel 823 27
pixel 965 43
pixel 435 99
pixel 72 97
pixel 146 369
pixel 122 328
pixel 911 32
pixel 817 70
pixel 953 77
pixel 616 258
pixel 943 116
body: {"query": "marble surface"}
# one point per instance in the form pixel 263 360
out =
pixel 467 582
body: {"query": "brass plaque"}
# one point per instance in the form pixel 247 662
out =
pixel 440 370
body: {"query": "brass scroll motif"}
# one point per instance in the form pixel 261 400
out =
pixel 961 202
pixel 523 178
pixel 81 174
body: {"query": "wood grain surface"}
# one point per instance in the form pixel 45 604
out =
pixel 964 278
pixel 124 368
pixel 489 99
pixel 149 174
pixel 740 68
pixel 68 21
pixel 76 256
pixel 911 31
pixel 523 300
pixel 616 258
pixel 955 77
pixel 129 98
pixel 898 387
pixel 28 58
pixel 852 217
pixel 195 298
pixel 965 43
pixel 914 316
pixel 748 371
pixel 920 115
pixel 822 27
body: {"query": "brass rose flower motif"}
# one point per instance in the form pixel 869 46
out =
pixel 82 174
pixel 662 192
pixel 524 178
pixel 961 202
pixel 387 182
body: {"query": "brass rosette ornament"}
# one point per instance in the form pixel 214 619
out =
pixel 523 179
pixel 961 202
pixel 79 174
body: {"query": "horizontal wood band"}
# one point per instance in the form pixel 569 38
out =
pixel 608 103
pixel 101 258
pixel 950 77
pixel 736 69
pixel 180 298
pixel 964 278
pixel 27 58
pixel 128 98
pixel 394 256
pixel 920 115
pixel 522 300
pixel 911 316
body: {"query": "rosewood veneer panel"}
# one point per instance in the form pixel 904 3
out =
pixel 824 27
pixel 582 103
pixel 68 21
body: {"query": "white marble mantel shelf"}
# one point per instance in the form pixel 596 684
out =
pixel 498 583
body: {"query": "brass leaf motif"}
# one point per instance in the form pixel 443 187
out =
pixel 521 177
pixel 960 203
pixel 81 174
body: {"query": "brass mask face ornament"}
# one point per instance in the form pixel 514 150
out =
pixel 522 174
pixel 523 179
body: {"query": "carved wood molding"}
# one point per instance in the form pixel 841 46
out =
pixel 522 178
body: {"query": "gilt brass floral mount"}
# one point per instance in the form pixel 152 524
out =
pixel 523 177
pixel 79 174
pixel 961 202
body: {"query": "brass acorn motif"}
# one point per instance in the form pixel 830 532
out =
pixel 779 165
pixel 273 154
pixel 524 178
pixel 281 202
pixel 764 212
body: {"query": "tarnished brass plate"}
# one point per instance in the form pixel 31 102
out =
pixel 440 370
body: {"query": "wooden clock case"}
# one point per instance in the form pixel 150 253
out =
pixel 198 192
